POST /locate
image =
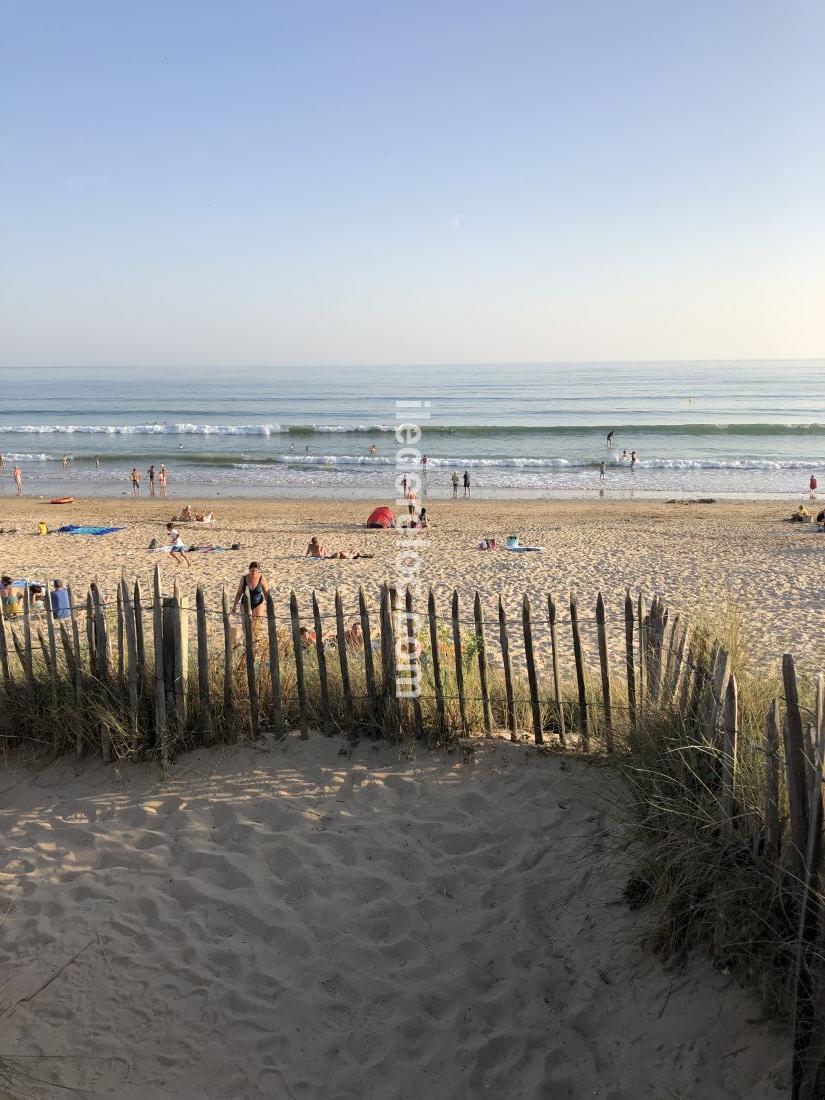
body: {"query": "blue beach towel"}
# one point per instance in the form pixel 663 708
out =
pixel 74 529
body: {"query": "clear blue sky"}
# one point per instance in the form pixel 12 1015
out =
pixel 256 182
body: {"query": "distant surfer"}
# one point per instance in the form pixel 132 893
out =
pixel 610 438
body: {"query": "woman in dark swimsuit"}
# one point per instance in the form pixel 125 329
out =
pixel 256 584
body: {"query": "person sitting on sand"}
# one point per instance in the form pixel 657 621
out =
pixel 257 585
pixel 59 596
pixel 37 604
pixel 801 516
pixel 307 637
pixel 177 551
pixel 354 637
pixel 423 521
pixel 186 512
pixel 11 598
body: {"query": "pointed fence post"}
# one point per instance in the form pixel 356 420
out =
pixel 204 707
pixel 440 706
pixel 459 666
pixel 554 650
pixel 796 764
pixel 299 664
pixel 729 753
pixel 388 663
pixel 249 653
pixel 482 665
pixel 343 656
pixel 369 664
pixel 4 651
pixel 139 632
pixel 413 663
pixel 274 667
pixel 90 634
pixel 131 656
pixel 120 645
pixel 504 640
pixel 228 670
pixel 771 810
pixel 532 679
pixel 580 680
pixel 641 687
pixel 47 600
pixel 28 666
pixel 601 631
pixel 629 660
pixel 181 641
pixel 320 653
pixel 78 671
pixel 161 730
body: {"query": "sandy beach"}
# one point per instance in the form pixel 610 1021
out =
pixel 692 555
pixel 304 919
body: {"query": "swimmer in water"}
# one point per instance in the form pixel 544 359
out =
pixel 632 459
pixel 610 438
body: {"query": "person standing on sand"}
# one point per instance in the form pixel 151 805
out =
pixel 18 480
pixel 151 475
pixel 466 483
pixel 455 484
pixel 135 482
pixel 812 486
pixel 601 471
pixel 256 584
pixel 163 479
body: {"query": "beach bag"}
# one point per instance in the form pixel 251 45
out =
pixel 153 545
pixel 42 528
pixel 512 540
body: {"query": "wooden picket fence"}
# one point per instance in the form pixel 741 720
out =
pixel 119 678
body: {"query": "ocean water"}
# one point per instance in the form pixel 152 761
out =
pixel 743 429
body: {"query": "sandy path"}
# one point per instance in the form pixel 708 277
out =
pixel 289 921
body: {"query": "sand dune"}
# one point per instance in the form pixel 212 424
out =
pixel 310 920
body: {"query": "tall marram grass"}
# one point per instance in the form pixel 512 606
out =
pixel 709 881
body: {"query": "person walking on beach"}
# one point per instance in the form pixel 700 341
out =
pixel 455 484
pixel 18 480
pixel 177 550
pixel 601 471
pixel 151 475
pixel 256 584
pixel 135 482
pixel 466 483
pixel 163 479
pixel 812 486
pixel 411 496
pixel 65 462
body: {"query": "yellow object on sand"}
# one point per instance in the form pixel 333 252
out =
pixel 42 528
